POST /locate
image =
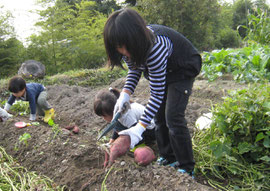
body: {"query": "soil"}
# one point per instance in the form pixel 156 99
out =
pixel 76 160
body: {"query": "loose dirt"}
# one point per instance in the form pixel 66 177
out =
pixel 76 160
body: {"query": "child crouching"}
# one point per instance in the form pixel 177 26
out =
pixel 104 106
pixel 34 93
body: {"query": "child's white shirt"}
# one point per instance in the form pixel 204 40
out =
pixel 133 115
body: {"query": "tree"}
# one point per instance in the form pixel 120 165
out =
pixel 11 49
pixel 11 56
pixel 71 37
pixel 241 8
pixel 198 21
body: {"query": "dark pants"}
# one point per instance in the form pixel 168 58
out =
pixel 172 134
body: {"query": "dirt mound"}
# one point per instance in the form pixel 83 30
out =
pixel 76 160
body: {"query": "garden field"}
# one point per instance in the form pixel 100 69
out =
pixel 76 160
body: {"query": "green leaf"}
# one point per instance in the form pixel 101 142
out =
pixel 51 122
pixel 259 137
pixel 244 147
pixel 265 158
pixel 266 142
pixel 266 105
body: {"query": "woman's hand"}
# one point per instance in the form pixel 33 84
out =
pixel 123 98
pixel 135 134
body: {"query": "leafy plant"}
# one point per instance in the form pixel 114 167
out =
pixel 55 128
pixel 258 28
pixel 24 138
pixel 236 147
pixel 249 64
pixel 21 106
pixel 244 122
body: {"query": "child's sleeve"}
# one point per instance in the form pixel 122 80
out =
pixel 9 103
pixel 115 135
pixel 32 103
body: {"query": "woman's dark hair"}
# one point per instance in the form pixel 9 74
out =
pixel 105 101
pixel 16 84
pixel 127 28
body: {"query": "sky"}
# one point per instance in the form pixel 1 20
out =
pixel 24 20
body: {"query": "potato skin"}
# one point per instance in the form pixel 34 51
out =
pixel 76 129
pixel 119 147
pixel 144 155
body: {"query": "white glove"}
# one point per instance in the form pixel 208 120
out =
pixel 7 106
pixel 4 114
pixel 135 134
pixel 123 98
pixel 32 117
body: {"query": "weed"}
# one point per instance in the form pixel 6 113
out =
pixel 55 128
pixel 24 138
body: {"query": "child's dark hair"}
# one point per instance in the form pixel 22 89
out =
pixel 105 101
pixel 127 28
pixel 16 84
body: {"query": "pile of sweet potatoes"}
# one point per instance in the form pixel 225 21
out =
pixel 143 155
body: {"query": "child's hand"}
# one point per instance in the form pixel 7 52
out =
pixel 111 141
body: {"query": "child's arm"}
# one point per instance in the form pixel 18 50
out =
pixel 9 103
pixel 32 104
pixel 115 135
pixel 111 141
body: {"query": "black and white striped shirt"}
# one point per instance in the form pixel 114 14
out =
pixel 156 65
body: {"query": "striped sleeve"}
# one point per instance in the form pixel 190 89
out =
pixel 156 64
pixel 133 77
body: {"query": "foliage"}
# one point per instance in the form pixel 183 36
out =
pixel 197 21
pixel 22 107
pixel 258 28
pixel 24 138
pixel 71 37
pixel 55 128
pixel 11 49
pixel 241 8
pixel 249 64
pixel 11 56
pixel 85 77
pixel 227 38
pixel 236 147
pixel 15 177
pixel 6 30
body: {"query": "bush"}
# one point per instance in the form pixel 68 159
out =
pixel 243 121
pixel 236 147
pixel 228 38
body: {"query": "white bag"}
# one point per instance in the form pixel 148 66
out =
pixel 204 121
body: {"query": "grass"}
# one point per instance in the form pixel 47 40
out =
pixel 85 77
pixel 17 178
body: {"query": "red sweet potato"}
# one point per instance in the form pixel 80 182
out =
pixel 76 129
pixel 69 127
pixel 106 159
pixel 119 147
pixel 144 155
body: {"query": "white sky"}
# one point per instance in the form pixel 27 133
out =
pixel 24 20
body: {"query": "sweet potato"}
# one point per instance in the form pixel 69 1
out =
pixel 69 127
pixel 106 159
pixel 144 155
pixel 76 129
pixel 119 147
